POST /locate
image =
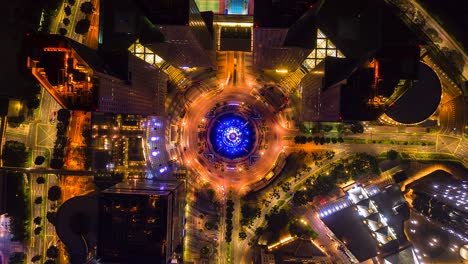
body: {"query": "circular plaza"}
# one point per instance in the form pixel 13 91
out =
pixel 231 137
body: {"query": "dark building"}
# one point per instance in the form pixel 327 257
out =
pixel 80 78
pixel 382 71
pixel 141 222
pixel 339 89
pixel 284 33
pixel 347 89
pixel 382 58
pixel 279 14
pixel 426 83
pixel 443 199
pixel 369 222
pixel 363 27
pixel 270 52
pixel 170 35
pixel 406 255
pixel 76 225
pixel 131 222
pixel 186 35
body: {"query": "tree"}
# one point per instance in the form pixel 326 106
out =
pixel 38 200
pixel 37 230
pixel 52 5
pixel 54 193
pixel 63 31
pixel 300 228
pixel 324 185
pixel 242 235
pixel 87 8
pixel 277 220
pixel 228 214
pixel 52 252
pixel 392 154
pixel 37 220
pixel 51 217
pixel 33 102
pixel 357 128
pixel 434 35
pixel 39 160
pixel 66 21
pixel 329 154
pixel 300 139
pixel 14 154
pixel 259 231
pixel 15 121
pixel 40 180
pixel 63 115
pixel 249 213
pixel 36 258
pixel 322 140
pixel 316 140
pixel 300 198
pixel 67 11
pixel 82 26
pixel 17 258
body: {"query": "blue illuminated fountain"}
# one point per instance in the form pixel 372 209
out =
pixel 232 136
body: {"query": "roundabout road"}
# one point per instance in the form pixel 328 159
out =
pixel 195 121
